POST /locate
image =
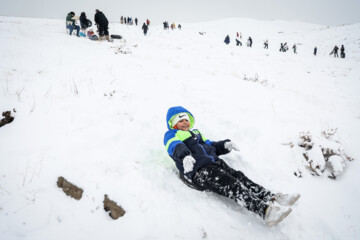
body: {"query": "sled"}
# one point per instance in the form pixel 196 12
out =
pixel 115 36
pixel 93 37
pixel 190 184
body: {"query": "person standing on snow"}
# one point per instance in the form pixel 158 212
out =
pixel 250 41
pixel 102 24
pixel 342 51
pixel 145 28
pixel 200 167
pixel 294 47
pixel 70 23
pixel 227 39
pixel 136 21
pixel 266 44
pixel 315 51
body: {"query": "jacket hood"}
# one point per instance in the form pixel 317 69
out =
pixel 175 110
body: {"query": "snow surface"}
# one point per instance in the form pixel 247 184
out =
pixel 96 116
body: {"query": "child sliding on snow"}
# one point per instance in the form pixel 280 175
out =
pixel 200 167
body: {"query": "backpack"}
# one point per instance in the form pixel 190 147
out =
pixel 90 33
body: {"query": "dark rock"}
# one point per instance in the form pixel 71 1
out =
pixel 115 210
pixel 7 118
pixel 69 188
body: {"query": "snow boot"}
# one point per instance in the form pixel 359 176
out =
pixel 286 199
pixel 275 214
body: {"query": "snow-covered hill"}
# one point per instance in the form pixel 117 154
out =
pixel 89 112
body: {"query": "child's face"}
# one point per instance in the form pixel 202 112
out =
pixel 183 125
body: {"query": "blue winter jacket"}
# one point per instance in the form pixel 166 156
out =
pixel 180 144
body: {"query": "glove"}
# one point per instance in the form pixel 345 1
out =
pixel 230 146
pixel 188 164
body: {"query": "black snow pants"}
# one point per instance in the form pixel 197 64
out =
pixel 103 29
pixel 227 182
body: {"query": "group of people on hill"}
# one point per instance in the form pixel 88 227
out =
pixel 283 46
pixel 172 26
pixel 238 40
pixel 103 28
pixel 128 20
pixel 336 49
pixel 100 20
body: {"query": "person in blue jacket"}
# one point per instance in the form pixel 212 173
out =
pixel 200 167
pixel 227 39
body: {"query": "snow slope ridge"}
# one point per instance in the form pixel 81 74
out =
pixel 86 111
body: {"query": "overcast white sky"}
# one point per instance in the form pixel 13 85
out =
pixel 325 12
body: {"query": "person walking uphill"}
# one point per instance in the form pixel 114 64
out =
pixel 102 24
pixel 335 51
pixel 200 167
pixel 145 28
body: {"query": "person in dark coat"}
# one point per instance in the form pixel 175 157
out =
pixel 282 47
pixel 250 42
pixel 145 28
pixel 238 42
pixel 335 51
pixel 166 25
pixel 294 47
pixel 315 51
pixel 342 51
pixel 102 24
pixel 266 44
pixel 84 22
pixel 285 47
pixel 200 167
pixel 179 27
pixel 136 21
pixel 227 39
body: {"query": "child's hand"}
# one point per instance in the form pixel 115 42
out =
pixel 230 146
pixel 188 163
